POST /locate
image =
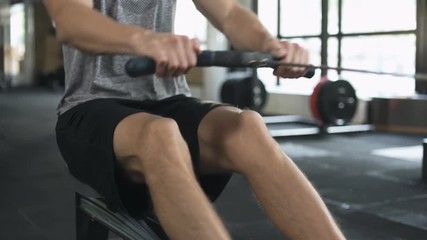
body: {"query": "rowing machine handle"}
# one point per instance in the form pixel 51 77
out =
pixel 141 66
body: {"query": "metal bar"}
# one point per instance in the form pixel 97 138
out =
pixel 279 34
pixel 255 6
pixel 295 132
pixel 350 128
pixel 341 34
pixel 299 36
pixel 357 34
pixel 273 64
pixel 421 58
pixel 281 119
pixel 424 161
pixel 108 220
pixel 122 225
pixel 324 35
pixel 279 18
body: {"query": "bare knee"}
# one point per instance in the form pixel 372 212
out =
pixel 245 126
pixel 159 131
pixel 247 134
pixel 249 120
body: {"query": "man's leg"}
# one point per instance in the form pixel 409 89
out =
pixel 235 140
pixel 152 150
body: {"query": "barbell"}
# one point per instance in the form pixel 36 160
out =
pixel 140 66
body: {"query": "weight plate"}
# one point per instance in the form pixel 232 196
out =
pixel 314 98
pixel 241 93
pixel 336 102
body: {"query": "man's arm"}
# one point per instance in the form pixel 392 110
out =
pixel 240 25
pixel 80 25
pixel 244 30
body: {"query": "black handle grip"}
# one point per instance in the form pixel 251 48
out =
pixel 140 66
pixel 310 73
pixel 145 65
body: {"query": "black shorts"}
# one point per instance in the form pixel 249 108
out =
pixel 85 139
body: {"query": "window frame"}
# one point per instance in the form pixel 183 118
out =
pixel 420 33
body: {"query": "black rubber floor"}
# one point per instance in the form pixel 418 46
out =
pixel 372 196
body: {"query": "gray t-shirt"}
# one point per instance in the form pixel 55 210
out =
pixel 90 76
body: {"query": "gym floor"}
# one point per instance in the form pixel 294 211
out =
pixel 370 181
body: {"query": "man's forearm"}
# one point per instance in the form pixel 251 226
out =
pixel 245 31
pixel 91 31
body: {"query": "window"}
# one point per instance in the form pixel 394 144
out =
pixel 375 35
pixel 16 49
pixel 380 53
pixel 294 20
pixel 190 22
pixel 379 15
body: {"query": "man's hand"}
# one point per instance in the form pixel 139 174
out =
pixel 288 53
pixel 174 54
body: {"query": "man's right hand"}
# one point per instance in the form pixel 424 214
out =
pixel 174 54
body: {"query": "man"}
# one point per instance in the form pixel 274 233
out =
pixel 145 141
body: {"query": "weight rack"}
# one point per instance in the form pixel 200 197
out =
pixel 292 125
